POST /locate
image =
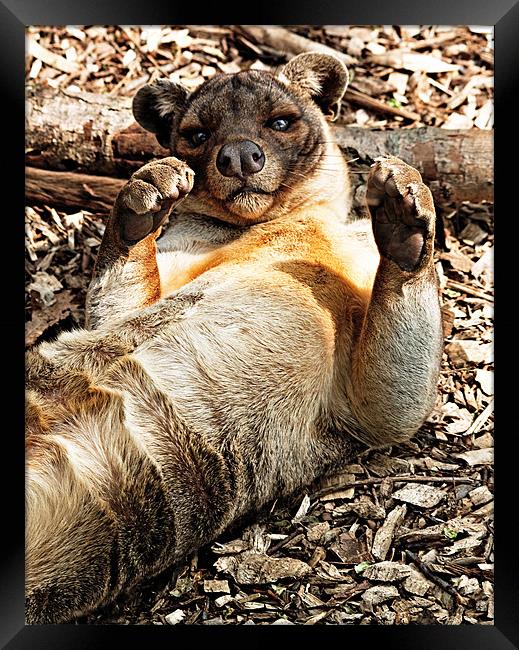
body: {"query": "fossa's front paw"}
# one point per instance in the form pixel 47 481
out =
pixel 403 214
pixel 149 196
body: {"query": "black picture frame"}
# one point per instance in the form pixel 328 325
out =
pixel 15 15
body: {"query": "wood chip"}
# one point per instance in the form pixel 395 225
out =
pixel 480 495
pixel 413 61
pixel 251 568
pixel 175 617
pixel 415 583
pixel 485 379
pixel 465 351
pixel 216 586
pixel 458 260
pixel 387 572
pixel 315 533
pixel 230 548
pixel 302 510
pixel 364 508
pixel 472 233
pixel 45 286
pixel 379 594
pixel 337 480
pixel 221 601
pixel 50 58
pixel 477 456
pixel 350 550
pixel 282 621
pixel 399 81
pixel 419 494
pixel 43 319
pixel 457 121
pixel 484 441
pixel 384 535
pixel 484 265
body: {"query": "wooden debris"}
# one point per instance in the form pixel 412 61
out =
pixel 350 550
pixel 43 319
pixel 68 190
pixel 50 58
pixel 463 351
pixel 364 508
pixel 481 419
pixel 302 510
pixel 387 572
pixel 384 535
pixel 175 617
pixel 413 61
pixel 216 586
pixel 428 573
pixel 251 568
pixel 416 583
pixel 286 42
pixel 230 548
pixel 477 456
pixel 316 532
pixel 421 495
pixel 379 594
pixel 221 601
pixel 375 104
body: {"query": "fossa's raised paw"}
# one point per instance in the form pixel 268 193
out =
pixel 403 213
pixel 147 199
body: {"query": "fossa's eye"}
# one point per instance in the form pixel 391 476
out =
pixel 279 124
pixel 196 138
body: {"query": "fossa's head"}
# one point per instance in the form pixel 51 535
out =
pixel 258 143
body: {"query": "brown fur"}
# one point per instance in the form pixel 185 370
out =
pixel 259 344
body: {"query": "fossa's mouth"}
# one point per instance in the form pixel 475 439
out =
pixel 241 191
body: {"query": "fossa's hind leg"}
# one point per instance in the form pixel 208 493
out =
pixel 403 213
pixel 395 363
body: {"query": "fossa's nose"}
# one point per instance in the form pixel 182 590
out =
pixel 240 159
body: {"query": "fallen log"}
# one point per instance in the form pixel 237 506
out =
pixel 71 190
pixel 96 134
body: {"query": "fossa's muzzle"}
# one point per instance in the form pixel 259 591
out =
pixel 240 159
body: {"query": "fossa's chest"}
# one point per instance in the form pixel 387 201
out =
pixel 186 245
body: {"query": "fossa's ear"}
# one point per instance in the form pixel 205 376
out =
pixel 155 105
pixel 322 77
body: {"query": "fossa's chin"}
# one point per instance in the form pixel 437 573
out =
pixel 251 205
